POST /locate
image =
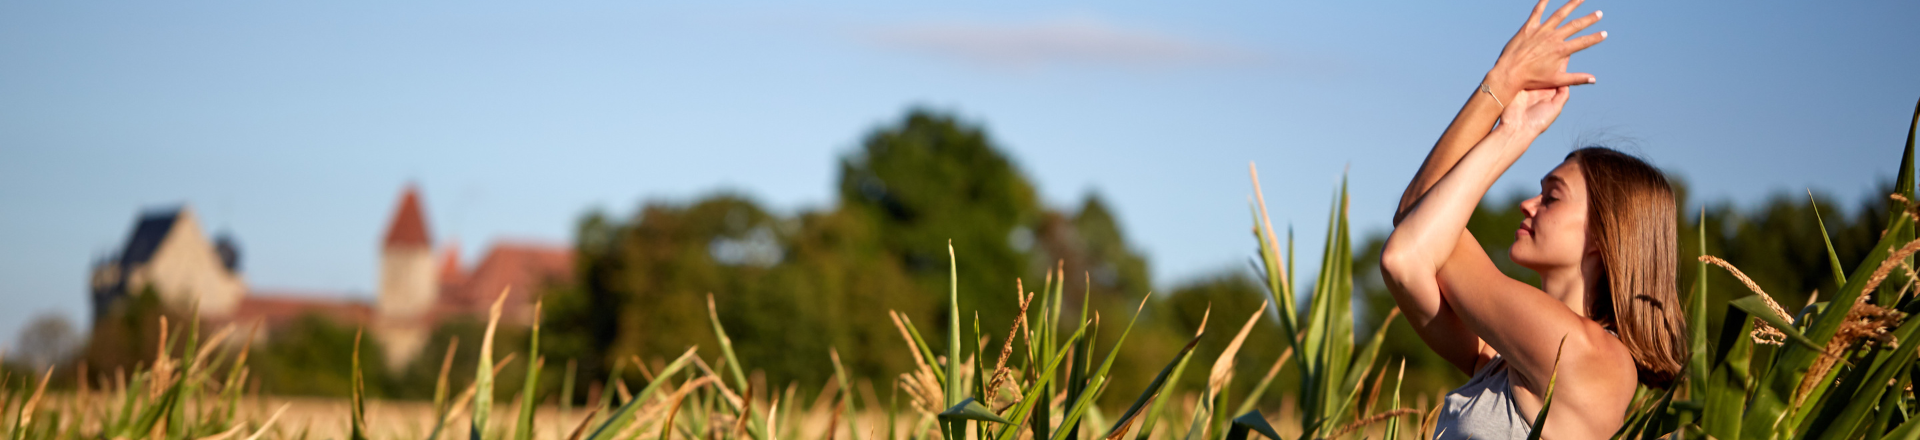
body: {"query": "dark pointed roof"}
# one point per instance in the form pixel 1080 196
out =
pixel 409 226
pixel 147 235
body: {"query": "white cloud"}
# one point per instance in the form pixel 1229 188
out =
pixel 1071 41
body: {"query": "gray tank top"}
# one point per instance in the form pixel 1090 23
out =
pixel 1483 408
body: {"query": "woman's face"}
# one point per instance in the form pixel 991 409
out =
pixel 1554 232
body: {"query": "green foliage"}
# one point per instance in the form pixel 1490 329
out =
pixel 933 180
pixel 313 356
pixel 820 279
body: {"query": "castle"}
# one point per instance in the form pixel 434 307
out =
pixel 420 287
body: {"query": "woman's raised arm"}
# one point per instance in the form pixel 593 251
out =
pixel 1535 58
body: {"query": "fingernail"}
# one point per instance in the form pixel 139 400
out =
pixel 1603 34
pixel 1592 80
pixel 1596 14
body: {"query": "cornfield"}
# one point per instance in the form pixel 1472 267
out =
pixel 1833 374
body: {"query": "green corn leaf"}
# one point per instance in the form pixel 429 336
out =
pixel 853 406
pixel 1757 306
pixel 1726 396
pixel 1698 361
pixel 979 385
pixel 1907 431
pixel 1070 423
pixel 358 411
pixel 440 405
pixel 529 388
pixel 1546 403
pixel 756 427
pixel 1099 377
pixel 1904 183
pixel 483 374
pixel 620 417
pixel 1159 407
pixel 1203 410
pixel 1833 258
pixel 529 399
pixel 1260 389
pixel 1889 403
pixel 1362 363
pixel 970 409
pixel 1645 425
pixel 613 380
pixel 1034 396
pixel 1082 364
pixel 231 387
pixel 128 407
pixel 1329 327
pixel 1854 407
pixel 152 414
pixel 1278 278
pixel 1049 312
pixel 1254 421
pixel 1153 388
pixel 1393 425
pixel 926 352
pixel 953 389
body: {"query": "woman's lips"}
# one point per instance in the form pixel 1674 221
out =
pixel 1524 229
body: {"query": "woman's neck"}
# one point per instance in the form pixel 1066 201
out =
pixel 1570 285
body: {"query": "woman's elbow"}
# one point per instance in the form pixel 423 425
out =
pixel 1397 263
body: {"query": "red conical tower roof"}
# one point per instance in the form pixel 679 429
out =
pixel 409 226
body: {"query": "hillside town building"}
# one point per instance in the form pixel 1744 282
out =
pixel 420 287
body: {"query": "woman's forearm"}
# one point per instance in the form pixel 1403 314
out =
pixel 1470 125
pixel 1431 227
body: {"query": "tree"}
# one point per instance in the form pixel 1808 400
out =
pixel 932 180
pixel 49 339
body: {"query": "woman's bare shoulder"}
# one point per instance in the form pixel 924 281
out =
pixel 1602 368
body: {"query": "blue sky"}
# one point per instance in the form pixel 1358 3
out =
pixel 294 126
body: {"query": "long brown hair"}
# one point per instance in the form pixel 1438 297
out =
pixel 1632 222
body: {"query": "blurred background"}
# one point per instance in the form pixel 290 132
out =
pixel 320 167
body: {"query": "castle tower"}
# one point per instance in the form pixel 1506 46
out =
pixel 408 282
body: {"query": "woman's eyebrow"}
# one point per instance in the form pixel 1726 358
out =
pixel 1550 180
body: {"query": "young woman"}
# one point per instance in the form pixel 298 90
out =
pixel 1601 234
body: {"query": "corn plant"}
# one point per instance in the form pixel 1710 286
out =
pixel 177 397
pixel 1843 369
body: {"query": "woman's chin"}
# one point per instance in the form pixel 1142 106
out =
pixel 1521 257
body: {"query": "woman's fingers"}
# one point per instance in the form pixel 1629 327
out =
pixel 1585 41
pixel 1534 19
pixel 1561 14
pixel 1577 25
pixel 1573 79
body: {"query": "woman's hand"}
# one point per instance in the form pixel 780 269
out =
pixel 1536 57
pixel 1532 111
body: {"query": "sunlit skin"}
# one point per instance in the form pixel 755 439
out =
pixel 1459 303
